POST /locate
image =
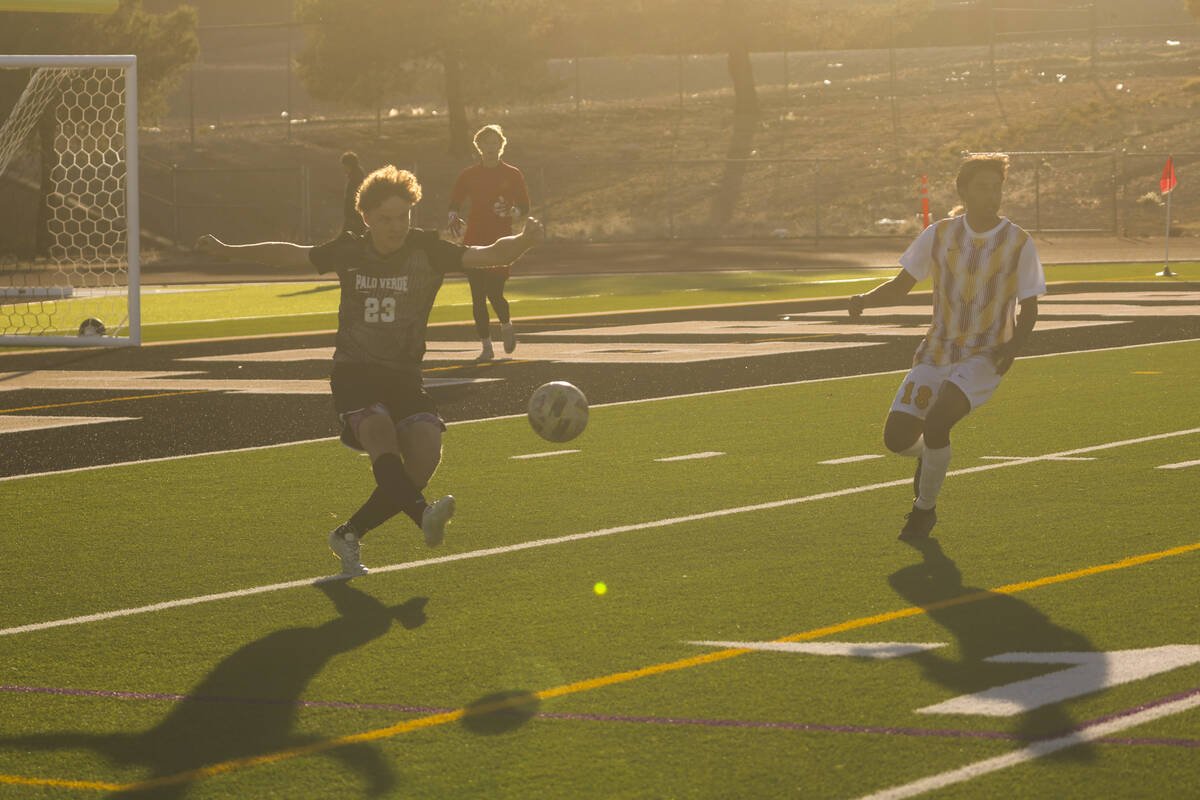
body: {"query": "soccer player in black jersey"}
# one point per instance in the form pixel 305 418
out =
pixel 389 278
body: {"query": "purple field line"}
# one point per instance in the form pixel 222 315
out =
pixel 241 700
pixel 711 723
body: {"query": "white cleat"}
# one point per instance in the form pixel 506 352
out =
pixel 344 544
pixel 435 519
pixel 486 353
pixel 509 335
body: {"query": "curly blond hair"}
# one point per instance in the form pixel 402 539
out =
pixel 387 182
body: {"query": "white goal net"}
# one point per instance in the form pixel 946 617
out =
pixel 68 201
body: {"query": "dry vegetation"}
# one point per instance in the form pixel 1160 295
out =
pixel 648 168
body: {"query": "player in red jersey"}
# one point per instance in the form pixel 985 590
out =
pixel 497 195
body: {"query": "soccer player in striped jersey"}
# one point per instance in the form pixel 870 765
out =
pixel 389 278
pixel 982 267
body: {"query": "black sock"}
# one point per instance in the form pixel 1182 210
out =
pixel 379 508
pixel 392 479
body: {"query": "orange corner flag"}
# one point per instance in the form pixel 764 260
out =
pixel 1167 182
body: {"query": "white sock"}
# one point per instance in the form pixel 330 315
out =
pixel 934 464
pixel 915 449
pixel 486 343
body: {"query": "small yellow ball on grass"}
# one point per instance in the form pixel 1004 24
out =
pixel 599 588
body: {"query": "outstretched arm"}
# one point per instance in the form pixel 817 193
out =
pixel 275 254
pixel 1006 352
pixel 885 294
pixel 506 250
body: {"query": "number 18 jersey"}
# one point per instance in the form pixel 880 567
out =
pixel 386 299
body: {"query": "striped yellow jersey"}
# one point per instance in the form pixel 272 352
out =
pixel 978 278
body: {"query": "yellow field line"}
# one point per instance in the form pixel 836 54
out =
pixel 594 683
pixel 102 787
pixel 108 400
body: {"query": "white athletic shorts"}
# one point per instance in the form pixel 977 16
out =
pixel 977 377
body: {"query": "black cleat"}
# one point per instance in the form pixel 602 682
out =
pixel 918 523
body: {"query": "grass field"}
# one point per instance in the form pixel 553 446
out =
pixel 492 667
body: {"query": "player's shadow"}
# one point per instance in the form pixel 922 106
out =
pixel 247 705
pixel 989 625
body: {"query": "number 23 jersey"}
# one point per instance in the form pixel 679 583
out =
pixel 386 299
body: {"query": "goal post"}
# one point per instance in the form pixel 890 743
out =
pixel 69 257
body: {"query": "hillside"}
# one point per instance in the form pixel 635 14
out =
pixel 831 155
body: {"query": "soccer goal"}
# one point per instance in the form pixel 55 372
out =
pixel 69 201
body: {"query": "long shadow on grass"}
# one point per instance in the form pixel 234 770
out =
pixel 247 705
pixel 989 626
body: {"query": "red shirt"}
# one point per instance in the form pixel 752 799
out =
pixel 493 192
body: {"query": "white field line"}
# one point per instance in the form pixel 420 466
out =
pixel 691 456
pixel 852 459
pixel 445 324
pixel 1018 458
pixel 543 455
pixel 1180 465
pixel 575 537
pixel 708 393
pixel 1034 751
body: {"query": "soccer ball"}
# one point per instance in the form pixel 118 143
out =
pixel 91 327
pixel 558 411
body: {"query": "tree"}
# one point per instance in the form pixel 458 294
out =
pixel 361 50
pixel 354 54
pixel 165 44
pixel 487 48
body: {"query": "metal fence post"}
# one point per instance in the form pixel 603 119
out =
pixel 671 197
pixel 175 203
pixel 306 203
pixel 1116 227
pixel 545 200
pixel 816 194
pixel 1037 194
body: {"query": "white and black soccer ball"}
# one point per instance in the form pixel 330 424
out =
pixel 558 411
pixel 92 327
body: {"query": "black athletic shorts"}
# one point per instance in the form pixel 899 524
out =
pixel 359 386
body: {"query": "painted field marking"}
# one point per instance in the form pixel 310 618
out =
pixel 722 722
pixel 106 400
pixel 1087 672
pixel 691 456
pixel 1018 458
pixel 851 459
pixel 1035 750
pixel 23 422
pixel 543 455
pixel 853 649
pixel 685 396
pixel 119 380
pixel 1120 722
pixel 1180 465
pixel 538 543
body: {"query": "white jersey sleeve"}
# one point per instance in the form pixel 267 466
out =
pixel 918 258
pixel 1031 279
